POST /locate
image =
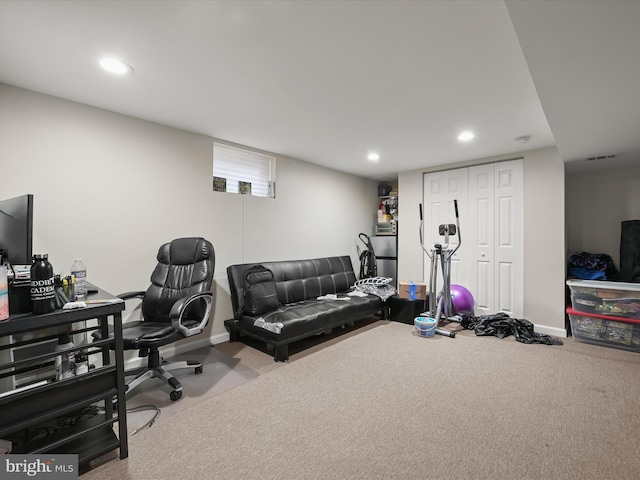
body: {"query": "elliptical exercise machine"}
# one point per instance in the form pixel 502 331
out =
pixel 441 252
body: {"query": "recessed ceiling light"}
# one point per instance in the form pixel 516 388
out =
pixel 116 66
pixel 465 136
pixel 373 156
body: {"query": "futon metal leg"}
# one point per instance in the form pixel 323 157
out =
pixel 281 353
pixel 234 335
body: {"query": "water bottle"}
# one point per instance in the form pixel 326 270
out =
pixel 65 363
pixel 79 271
pixel 412 291
pixel 43 290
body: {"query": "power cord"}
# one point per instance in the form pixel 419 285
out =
pixel 44 430
pixel 143 408
pixel 79 416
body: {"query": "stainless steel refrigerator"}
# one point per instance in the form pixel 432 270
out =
pixel 386 249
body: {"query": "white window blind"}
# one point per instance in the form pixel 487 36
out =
pixel 252 171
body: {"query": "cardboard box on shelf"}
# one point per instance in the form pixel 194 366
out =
pixel 412 290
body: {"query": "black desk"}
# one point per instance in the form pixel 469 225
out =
pixel 20 410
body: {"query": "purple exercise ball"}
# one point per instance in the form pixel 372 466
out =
pixel 461 299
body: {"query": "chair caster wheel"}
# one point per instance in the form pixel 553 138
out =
pixel 199 369
pixel 175 395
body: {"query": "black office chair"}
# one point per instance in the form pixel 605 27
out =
pixel 175 306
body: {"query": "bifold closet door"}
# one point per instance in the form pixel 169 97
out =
pixel 480 237
pixel 440 190
pixel 489 262
pixel 509 240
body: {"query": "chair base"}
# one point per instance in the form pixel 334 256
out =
pixel 158 368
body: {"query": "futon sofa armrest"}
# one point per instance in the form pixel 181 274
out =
pixel 180 307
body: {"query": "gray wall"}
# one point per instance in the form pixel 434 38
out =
pixel 111 189
pixel 597 202
pixel 544 241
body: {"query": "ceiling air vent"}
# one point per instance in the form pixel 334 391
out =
pixel 602 157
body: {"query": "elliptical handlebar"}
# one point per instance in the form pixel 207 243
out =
pixel 420 232
pixel 455 206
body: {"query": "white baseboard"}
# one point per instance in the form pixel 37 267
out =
pixel 219 338
pixel 171 350
pixel 556 332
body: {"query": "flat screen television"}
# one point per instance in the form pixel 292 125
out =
pixel 16 229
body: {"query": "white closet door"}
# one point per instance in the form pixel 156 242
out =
pixel 490 204
pixel 509 237
pixel 440 190
pixel 479 238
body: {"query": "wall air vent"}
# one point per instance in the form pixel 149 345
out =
pixel 602 157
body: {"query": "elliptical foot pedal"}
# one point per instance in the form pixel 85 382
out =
pixel 446 333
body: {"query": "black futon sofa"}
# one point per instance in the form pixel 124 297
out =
pixel 297 313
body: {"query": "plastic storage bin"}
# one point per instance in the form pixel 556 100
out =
pixel 605 330
pixel 618 299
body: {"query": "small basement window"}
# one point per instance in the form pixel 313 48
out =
pixel 238 170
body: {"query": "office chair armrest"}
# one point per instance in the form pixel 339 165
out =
pixel 129 295
pixel 180 307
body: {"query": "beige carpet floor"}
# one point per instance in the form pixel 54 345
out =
pixel 220 373
pixel 385 404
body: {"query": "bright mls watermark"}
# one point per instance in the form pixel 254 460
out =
pixel 46 466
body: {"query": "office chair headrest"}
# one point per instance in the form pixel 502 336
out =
pixel 184 251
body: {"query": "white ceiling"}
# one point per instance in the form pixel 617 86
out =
pixel 329 81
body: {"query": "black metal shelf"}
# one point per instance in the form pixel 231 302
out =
pixel 88 439
pixel 31 408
